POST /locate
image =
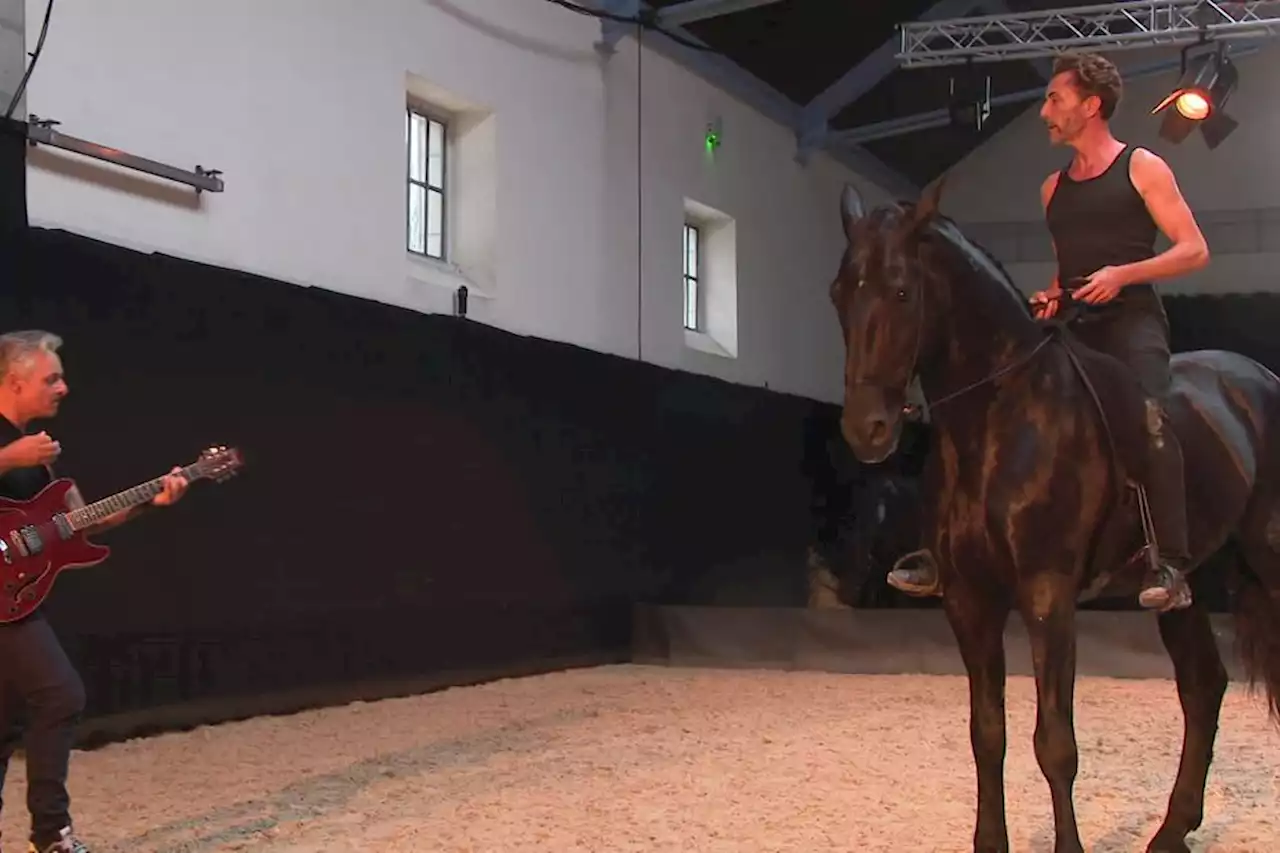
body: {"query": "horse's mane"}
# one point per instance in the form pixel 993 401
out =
pixel 976 256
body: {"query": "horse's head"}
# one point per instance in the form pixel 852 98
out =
pixel 879 296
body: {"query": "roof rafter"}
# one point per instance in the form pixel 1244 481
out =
pixel 733 79
pixel 682 14
pixel 813 129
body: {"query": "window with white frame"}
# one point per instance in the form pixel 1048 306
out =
pixel 425 147
pixel 692 277
pixel 710 280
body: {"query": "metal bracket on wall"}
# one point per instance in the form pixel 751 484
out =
pixel 40 132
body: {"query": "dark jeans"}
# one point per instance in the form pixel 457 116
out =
pixel 1138 335
pixel 39 686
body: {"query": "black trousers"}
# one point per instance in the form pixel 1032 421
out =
pixel 41 689
pixel 1138 335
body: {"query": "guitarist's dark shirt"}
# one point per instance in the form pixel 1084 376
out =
pixel 20 484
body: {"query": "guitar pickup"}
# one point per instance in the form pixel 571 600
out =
pixel 31 540
pixel 63 526
pixel 19 544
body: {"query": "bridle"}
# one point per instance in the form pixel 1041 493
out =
pixel 913 412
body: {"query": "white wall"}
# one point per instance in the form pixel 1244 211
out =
pixel 1233 190
pixel 300 103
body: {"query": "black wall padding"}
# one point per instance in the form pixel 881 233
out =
pixel 422 493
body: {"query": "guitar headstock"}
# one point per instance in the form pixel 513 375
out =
pixel 218 463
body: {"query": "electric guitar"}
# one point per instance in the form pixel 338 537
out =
pixel 40 537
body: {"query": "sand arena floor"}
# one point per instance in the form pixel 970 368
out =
pixel 633 758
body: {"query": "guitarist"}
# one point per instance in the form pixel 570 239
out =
pixel 35 673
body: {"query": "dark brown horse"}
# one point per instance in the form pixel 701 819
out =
pixel 1026 488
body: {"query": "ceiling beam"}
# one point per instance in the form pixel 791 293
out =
pixel 877 65
pixel 683 14
pixel 726 75
pixel 813 128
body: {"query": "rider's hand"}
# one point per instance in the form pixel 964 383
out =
pixel 1044 304
pixel 31 450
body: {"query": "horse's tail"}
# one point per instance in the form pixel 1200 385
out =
pixel 1257 623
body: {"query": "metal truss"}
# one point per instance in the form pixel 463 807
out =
pixel 1110 26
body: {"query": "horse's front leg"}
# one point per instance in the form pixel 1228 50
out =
pixel 978 619
pixel 1047 602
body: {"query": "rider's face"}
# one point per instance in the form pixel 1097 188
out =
pixel 1066 111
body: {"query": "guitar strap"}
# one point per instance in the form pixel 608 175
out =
pixel 75 500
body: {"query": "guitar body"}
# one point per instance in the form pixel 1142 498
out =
pixel 37 544
pixel 41 537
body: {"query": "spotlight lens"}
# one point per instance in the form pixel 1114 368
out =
pixel 1192 105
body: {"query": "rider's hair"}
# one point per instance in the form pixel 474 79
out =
pixel 1093 74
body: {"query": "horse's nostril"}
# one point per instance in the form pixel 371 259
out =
pixel 879 430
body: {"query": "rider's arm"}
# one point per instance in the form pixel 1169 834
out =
pixel 1155 182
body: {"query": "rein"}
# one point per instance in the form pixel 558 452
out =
pixel 913 412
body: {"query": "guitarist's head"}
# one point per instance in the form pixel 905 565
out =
pixel 31 380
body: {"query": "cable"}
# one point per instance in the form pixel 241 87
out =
pixel 645 21
pixel 35 57
pixel 639 195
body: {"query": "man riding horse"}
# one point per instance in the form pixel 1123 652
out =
pixel 1103 212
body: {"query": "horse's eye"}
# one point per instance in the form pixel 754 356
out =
pixel 902 294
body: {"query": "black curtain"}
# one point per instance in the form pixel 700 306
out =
pixel 422 494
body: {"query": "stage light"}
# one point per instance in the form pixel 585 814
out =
pixel 1200 98
pixel 969 102
pixel 1193 105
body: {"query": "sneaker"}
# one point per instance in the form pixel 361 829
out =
pixel 66 843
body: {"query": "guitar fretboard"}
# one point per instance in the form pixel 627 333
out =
pixel 91 514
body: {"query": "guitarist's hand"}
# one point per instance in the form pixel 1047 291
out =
pixel 175 485
pixel 30 451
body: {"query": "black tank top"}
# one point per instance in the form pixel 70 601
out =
pixel 1099 222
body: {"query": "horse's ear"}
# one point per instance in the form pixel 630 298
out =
pixel 851 209
pixel 930 200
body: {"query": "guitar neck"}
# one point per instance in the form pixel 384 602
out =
pixel 91 514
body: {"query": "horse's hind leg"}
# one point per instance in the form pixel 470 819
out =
pixel 1202 682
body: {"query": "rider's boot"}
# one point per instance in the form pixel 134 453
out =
pixel 1165 586
pixel 916 574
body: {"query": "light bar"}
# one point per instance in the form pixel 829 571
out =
pixel 40 131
